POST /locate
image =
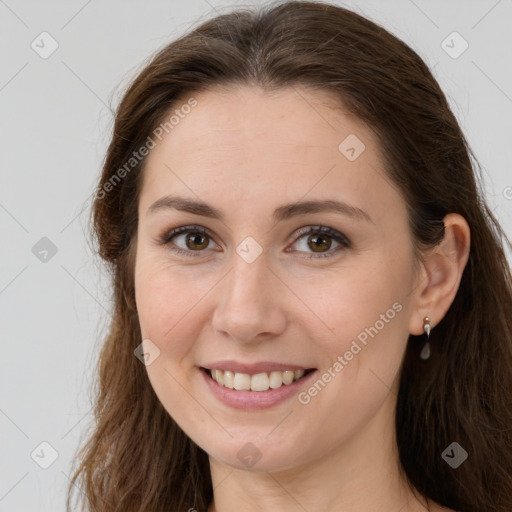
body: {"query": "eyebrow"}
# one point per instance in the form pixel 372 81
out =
pixel 284 212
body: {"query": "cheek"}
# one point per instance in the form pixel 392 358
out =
pixel 170 305
pixel 163 297
pixel 356 297
pixel 366 312
pixel 165 304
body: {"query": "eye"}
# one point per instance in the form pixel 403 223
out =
pixel 186 240
pixel 320 240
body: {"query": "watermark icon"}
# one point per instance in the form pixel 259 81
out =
pixel 351 147
pixel 248 455
pixel 44 455
pixel 249 249
pixel 454 45
pixel 44 249
pixel 147 352
pixel 44 45
pixel 137 156
pixel 507 192
pixel 454 455
pixel 305 397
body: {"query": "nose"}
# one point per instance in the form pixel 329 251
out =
pixel 249 307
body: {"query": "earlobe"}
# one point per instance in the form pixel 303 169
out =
pixel 441 274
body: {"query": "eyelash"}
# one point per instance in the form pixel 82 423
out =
pixel 344 242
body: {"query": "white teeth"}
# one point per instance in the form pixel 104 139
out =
pixel 276 379
pixel 257 382
pixel 219 376
pixel 242 381
pixel 298 374
pixel 228 378
pixel 288 377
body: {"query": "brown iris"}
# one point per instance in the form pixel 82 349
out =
pixel 196 238
pixel 317 245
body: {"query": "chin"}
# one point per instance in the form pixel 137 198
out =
pixel 256 455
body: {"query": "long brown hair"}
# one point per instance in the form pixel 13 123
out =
pixel 136 457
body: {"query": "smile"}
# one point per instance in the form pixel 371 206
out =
pixel 256 382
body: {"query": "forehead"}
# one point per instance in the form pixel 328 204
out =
pixel 245 143
pixel 295 118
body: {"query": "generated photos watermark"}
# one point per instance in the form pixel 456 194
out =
pixel 305 397
pixel 137 156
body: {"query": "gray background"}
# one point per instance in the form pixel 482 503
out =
pixel 55 123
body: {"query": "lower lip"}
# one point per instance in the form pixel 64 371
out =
pixel 255 399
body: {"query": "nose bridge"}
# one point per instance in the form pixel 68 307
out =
pixel 249 279
pixel 248 306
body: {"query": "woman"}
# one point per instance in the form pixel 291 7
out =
pixel 312 301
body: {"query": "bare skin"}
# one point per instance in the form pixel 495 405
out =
pixel 302 301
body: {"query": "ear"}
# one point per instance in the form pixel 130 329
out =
pixel 440 274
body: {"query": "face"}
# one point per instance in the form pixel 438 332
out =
pixel 260 280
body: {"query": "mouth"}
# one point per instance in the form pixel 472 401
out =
pixel 262 381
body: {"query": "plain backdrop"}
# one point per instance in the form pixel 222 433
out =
pixel 55 122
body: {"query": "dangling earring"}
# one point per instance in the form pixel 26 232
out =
pixel 425 351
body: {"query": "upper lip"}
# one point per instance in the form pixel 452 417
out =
pixel 252 368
